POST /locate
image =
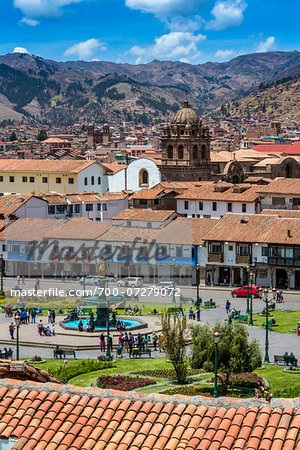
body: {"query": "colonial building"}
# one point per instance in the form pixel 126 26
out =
pixel 98 136
pixel 185 148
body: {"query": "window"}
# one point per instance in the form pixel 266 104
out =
pixel 214 206
pixel 15 248
pixel 262 273
pixel 71 180
pixel 107 249
pixel 11 179
pixel 58 180
pixel 31 179
pixel 244 207
pixel 296 201
pixel 61 209
pixel 203 151
pixel 24 179
pixel 198 216
pixel 193 215
pixel 44 180
pixel 229 207
pixel 99 180
pixel 143 177
pixel 206 216
pixel 89 207
pixel 85 181
pixel 201 206
pixel 195 152
pixel 278 201
pixel 180 152
pixel 77 209
pixel 178 252
pixel 99 207
pixel 51 209
pixel 186 204
pixel 104 206
pixel 230 248
pixel 243 250
pixel 170 152
pixel 143 201
pixel 156 201
pixel 92 179
pixel 1 178
pixel 265 251
pixel 215 248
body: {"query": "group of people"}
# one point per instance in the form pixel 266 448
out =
pixel 45 330
pixel 132 311
pixel 51 316
pixel 127 342
pixel 279 297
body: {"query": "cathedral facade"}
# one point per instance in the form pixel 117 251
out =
pixel 185 148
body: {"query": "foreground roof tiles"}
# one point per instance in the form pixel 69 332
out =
pixel 47 416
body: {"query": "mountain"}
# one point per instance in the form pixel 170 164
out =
pixel 67 92
pixel 278 100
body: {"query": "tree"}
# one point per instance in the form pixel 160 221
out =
pixel 175 335
pixel 13 137
pixel 236 354
pixel 42 135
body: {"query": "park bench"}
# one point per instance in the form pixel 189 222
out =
pixel 270 308
pixel 136 352
pixel 7 355
pixel 63 353
pixel 242 318
pixel 286 359
pixel 270 324
pixel 210 305
pixel 87 311
pixel 172 310
pixel 278 359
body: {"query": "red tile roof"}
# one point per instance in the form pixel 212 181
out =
pixel 288 149
pixel 43 165
pixel 52 417
pixel 144 214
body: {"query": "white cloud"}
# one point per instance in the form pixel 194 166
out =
pixel 227 14
pixel 165 7
pixel 180 23
pixel 34 9
pixel 223 54
pixel 21 50
pixel 85 50
pixel 267 45
pixel 176 45
pixel 29 22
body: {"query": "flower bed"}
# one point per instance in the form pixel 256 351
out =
pixel 206 391
pixel 122 383
pixel 248 380
pixel 166 373
pixel 67 371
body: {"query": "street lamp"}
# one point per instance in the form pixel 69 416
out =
pixel 216 340
pixel 173 300
pixel 18 321
pixel 248 268
pixel 198 298
pixel 265 299
pixel 108 337
pixel 251 298
pixel 1 268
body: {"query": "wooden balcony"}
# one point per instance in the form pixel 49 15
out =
pixel 243 259
pixel 215 257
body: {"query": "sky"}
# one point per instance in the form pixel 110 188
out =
pixel 138 31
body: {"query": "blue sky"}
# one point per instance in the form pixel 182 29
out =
pixel 138 31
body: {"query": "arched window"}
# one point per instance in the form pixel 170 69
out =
pixel 180 152
pixel 288 171
pixel 181 132
pixel 203 151
pixel 170 151
pixel 85 181
pixel 99 180
pixel 143 178
pixel 195 152
pixel 92 179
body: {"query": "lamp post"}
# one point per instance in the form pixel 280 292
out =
pixel 198 298
pixel 1 268
pixel 216 340
pixel 173 300
pixel 251 299
pixel 247 312
pixel 18 321
pixel 267 301
pixel 108 337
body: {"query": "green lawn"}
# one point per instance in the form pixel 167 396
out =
pixel 286 320
pixel 279 379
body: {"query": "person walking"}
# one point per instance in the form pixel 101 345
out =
pixel 102 343
pixel 18 279
pixel 154 340
pixel 227 306
pixel 11 329
pixel 126 341
pixel 23 279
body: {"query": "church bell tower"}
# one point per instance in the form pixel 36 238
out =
pixel 185 148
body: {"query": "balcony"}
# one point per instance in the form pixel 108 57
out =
pixel 243 259
pixel 280 261
pixel 215 257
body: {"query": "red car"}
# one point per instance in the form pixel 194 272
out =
pixel 242 291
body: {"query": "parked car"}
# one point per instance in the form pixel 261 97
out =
pixel 90 280
pixel 164 285
pixel 242 291
pixel 131 282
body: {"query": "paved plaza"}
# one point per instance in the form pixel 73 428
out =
pixel 87 345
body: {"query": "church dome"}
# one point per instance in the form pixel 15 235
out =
pixel 186 115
